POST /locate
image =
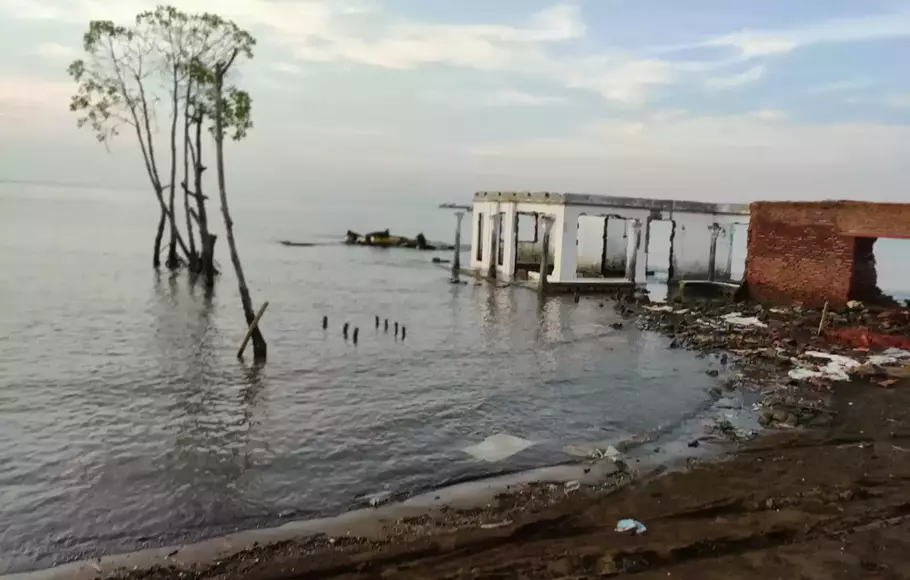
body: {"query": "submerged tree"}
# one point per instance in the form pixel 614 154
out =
pixel 128 74
pixel 114 92
pixel 187 57
pixel 232 111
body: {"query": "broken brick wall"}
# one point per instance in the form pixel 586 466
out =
pixel 816 252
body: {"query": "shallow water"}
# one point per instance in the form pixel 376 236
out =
pixel 126 420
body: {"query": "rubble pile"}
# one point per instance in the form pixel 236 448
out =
pixel 791 357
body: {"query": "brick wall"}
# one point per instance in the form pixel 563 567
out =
pixel 816 252
pixel 795 253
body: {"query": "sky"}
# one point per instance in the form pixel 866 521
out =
pixel 421 101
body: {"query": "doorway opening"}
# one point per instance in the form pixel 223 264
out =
pixel 602 247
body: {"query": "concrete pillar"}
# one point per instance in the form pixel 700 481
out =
pixel 495 224
pixel 642 233
pixel 510 247
pixel 456 261
pixel 634 228
pixel 566 229
pixel 545 256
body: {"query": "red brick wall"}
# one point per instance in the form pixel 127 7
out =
pixel 809 252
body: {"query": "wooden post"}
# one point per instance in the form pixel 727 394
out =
pixel 456 261
pixel 545 257
pixel 252 328
pixel 821 324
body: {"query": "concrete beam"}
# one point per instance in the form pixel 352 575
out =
pixel 662 205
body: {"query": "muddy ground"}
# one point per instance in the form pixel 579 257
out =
pixel 828 501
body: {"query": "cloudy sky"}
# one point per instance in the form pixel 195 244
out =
pixel 730 100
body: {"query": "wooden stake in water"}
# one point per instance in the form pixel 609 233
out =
pixel 821 324
pixel 325 322
pixel 377 322
pixel 396 329
pixel 386 327
pixel 344 330
pixel 249 331
pixel 356 332
pixel 404 332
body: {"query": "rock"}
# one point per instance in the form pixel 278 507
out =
pixel 616 325
pixel 712 372
pixel 607 567
pixel 791 420
pixel 779 416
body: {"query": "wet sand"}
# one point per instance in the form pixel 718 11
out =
pixel 828 501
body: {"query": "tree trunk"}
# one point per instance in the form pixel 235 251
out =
pixel 259 344
pixel 156 256
pixel 194 257
pixel 208 238
pixel 173 262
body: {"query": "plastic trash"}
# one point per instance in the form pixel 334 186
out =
pixel 573 485
pixel 801 374
pixel 630 525
pixel 737 319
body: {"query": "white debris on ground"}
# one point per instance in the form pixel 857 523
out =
pixel 840 367
pixel 498 447
pixel 737 319
pixel 666 308
pixel 593 452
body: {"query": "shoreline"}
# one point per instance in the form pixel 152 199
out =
pixel 479 506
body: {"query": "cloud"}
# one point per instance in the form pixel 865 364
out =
pixel 550 44
pixel 56 51
pixel 23 93
pixel 898 101
pixel 287 68
pixel 753 155
pixel 732 81
pixel 510 98
pixel 844 86
pixel 750 44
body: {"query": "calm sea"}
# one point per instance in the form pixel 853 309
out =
pixel 126 420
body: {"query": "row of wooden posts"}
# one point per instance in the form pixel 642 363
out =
pixel 400 329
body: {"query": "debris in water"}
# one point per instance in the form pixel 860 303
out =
pixel 498 447
pixel 571 486
pixel 630 525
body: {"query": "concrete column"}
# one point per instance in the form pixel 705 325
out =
pixel 566 230
pixel 495 224
pixel 510 249
pixel 642 233
pixel 632 250
pixel 456 261
pixel 545 256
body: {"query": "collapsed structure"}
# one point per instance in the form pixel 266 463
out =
pixel 817 252
pixel 797 252
pixel 506 247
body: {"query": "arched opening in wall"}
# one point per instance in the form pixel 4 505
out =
pixel 880 272
pixel 529 244
pixel 602 247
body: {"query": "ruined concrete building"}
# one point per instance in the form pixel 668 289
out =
pixel 816 252
pixel 515 234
